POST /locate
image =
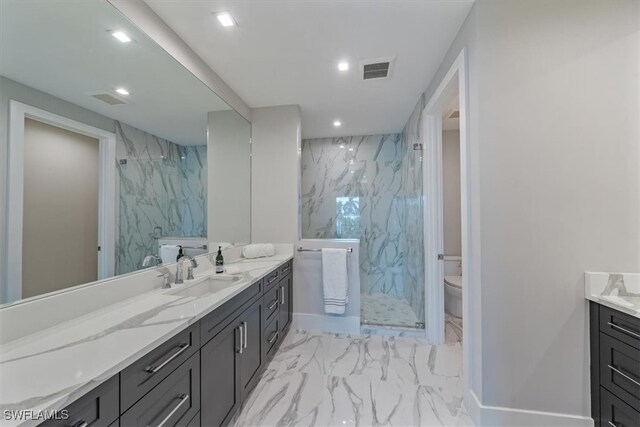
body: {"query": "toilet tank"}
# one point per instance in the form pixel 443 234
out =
pixel 452 265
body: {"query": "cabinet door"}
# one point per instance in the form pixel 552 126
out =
pixel 285 304
pixel 220 366
pixel 251 356
pixel 172 403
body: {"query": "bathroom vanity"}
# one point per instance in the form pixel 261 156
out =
pixel 185 356
pixel 614 319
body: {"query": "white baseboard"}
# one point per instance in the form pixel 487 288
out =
pixel 486 416
pixel 327 323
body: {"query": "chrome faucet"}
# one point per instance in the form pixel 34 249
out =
pixel 148 258
pixel 179 269
pixel 166 284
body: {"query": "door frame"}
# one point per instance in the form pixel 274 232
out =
pixel 18 112
pixel 454 81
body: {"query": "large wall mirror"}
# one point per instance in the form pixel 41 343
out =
pixel 116 154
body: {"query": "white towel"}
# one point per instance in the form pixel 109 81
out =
pixel 232 269
pixel 258 250
pixel 169 253
pixel 334 280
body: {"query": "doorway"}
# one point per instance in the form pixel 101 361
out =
pixel 61 214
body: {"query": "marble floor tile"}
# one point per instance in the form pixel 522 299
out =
pixel 386 309
pixel 318 379
pixel 452 328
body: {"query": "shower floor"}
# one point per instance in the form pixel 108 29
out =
pixel 388 310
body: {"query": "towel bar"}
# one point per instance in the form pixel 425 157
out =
pixel 319 250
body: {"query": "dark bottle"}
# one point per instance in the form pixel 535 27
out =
pixel 180 254
pixel 219 261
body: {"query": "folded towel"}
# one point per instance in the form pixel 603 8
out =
pixel 258 250
pixel 169 253
pixel 232 269
pixel 334 280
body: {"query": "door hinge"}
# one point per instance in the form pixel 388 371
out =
pixel 99 248
pixel 440 257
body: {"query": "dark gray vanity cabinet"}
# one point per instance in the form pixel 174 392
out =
pixel 203 374
pixel 98 408
pixel 286 304
pixel 615 367
pixel 220 364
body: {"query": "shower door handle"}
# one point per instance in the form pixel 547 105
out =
pixel 440 257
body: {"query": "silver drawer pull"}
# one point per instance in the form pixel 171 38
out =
pixel 281 294
pixel 153 369
pixel 271 279
pixel 273 304
pixel 183 398
pixel 287 268
pixel 241 339
pixel 619 372
pixel 245 329
pixel 626 331
pixel 273 337
pixel 81 423
pixel 612 424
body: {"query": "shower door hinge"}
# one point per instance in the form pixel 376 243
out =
pixel 99 248
pixel 440 257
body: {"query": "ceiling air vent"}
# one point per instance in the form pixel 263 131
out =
pixel 108 98
pixel 379 68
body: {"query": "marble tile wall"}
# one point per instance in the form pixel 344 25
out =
pixel 412 238
pixel 352 187
pixel 159 184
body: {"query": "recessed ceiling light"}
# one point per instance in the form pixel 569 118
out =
pixel 121 36
pixel 226 19
pixel 122 91
pixel 350 149
pixel 342 146
pixel 337 123
pixel 343 66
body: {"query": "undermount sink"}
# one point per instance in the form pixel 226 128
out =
pixel 208 286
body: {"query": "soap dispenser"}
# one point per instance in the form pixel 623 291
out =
pixel 180 254
pixel 219 261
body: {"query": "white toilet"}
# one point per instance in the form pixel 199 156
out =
pixel 453 285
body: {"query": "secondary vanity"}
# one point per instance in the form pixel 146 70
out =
pixel 614 318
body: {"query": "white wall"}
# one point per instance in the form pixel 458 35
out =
pixel 275 174
pixel 9 90
pixel 229 177
pixel 554 133
pixel 451 192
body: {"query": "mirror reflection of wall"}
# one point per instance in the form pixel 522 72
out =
pixel 148 186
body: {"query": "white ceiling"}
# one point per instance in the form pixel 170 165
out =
pixel 286 52
pixel 64 48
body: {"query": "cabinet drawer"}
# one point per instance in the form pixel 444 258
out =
pixel 620 369
pixel 271 334
pixel 271 302
pixel 147 372
pixel 286 268
pixel 173 402
pixel 619 325
pixel 98 408
pixel 216 321
pixel 271 279
pixel 615 413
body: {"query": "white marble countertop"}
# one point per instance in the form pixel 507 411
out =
pixel 620 291
pixel 48 370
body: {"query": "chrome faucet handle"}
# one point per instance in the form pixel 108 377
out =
pixel 166 284
pixel 190 273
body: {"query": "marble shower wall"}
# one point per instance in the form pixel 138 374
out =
pixel 413 238
pixel 352 187
pixel 160 184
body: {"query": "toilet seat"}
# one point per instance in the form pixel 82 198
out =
pixel 455 281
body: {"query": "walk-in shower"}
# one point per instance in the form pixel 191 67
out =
pixel 370 188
